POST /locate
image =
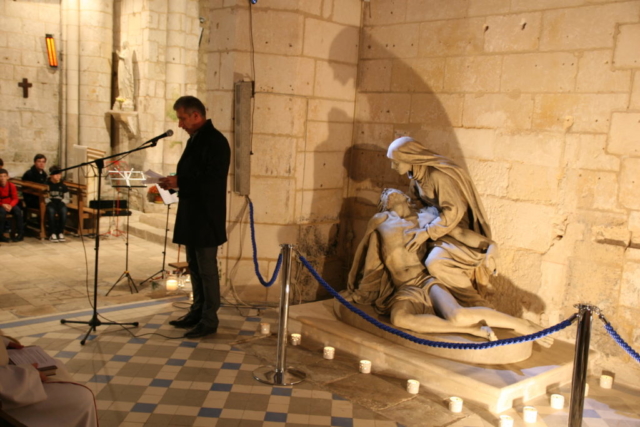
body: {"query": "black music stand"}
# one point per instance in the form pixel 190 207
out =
pixel 95 322
pixel 167 200
pixel 127 178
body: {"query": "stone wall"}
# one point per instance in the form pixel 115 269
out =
pixel 70 105
pixel 66 105
pixel 540 101
pixel 163 38
pixel 28 125
pixel 304 68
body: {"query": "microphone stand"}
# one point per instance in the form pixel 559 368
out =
pixel 95 321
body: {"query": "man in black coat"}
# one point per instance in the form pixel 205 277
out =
pixel 201 179
pixel 35 174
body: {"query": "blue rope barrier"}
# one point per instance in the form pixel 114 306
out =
pixel 255 253
pixel 622 343
pixel 438 344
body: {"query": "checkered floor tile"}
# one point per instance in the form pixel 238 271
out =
pixel 166 380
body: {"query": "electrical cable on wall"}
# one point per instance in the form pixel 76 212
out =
pixel 252 56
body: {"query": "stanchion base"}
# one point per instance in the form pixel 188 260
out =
pixel 268 375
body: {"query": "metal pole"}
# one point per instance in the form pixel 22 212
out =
pixel 280 374
pixel 281 354
pixel 581 360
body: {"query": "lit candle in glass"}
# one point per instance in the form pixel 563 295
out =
pixel 265 328
pixel 413 386
pixel 557 401
pixel 530 414
pixel 296 339
pixel 606 381
pixel 506 421
pixel 171 284
pixel 365 366
pixel 329 352
pixel 455 404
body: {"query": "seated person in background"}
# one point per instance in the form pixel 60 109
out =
pixel 35 174
pixel 9 201
pixel 57 204
pixel 33 399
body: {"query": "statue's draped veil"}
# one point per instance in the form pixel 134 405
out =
pixel 408 150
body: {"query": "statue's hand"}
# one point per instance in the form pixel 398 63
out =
pixel 419 237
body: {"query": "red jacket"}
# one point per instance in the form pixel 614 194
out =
pixel 9 194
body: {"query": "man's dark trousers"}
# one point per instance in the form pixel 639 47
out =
pixel 205 280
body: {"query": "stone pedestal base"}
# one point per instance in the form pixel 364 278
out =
pixel 494 387
pixel 128 120
pixel 492 356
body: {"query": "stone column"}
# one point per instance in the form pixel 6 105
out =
pixel 96 45
pixel 71 74
pixel 302 56
pixel 163 38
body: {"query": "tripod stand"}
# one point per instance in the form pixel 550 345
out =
pixel 162 271
pixel 126 274
pixel 95 321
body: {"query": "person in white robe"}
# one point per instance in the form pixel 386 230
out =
pixel 29 398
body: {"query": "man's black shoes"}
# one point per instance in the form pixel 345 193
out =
pixel 200 331
pixel 4 239
pixel 184 322
pixel 18 238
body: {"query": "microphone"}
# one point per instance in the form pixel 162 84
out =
pixel 155 140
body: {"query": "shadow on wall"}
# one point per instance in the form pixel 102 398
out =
pixel 394 97
pixel 324 176
pixel 325 172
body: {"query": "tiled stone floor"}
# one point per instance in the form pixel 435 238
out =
pixel 39 277
pixel 166 380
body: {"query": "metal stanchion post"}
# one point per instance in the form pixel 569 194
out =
pixel 581 360
pixel 280 374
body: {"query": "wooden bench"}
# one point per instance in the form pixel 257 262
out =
pixel 76 208
pixel 78 204
pixel 40 191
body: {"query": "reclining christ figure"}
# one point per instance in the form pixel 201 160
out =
pixel 394 279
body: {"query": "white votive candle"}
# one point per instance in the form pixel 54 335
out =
pixel 365 366
pixel 413 386
pixel 265 328
pixel 606 381
pixel 172 285
pixel 557 401
pixel 329 352
pixel 506 421
pixel 455 404
pixel 530 414
pixel 296 339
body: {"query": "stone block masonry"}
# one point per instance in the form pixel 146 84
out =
pixel 541 102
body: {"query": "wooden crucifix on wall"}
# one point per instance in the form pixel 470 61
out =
pixel 25 85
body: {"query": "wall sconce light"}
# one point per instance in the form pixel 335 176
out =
pixel 51 51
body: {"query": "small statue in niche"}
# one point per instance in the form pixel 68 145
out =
pixel 419 267
pixel 126 82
